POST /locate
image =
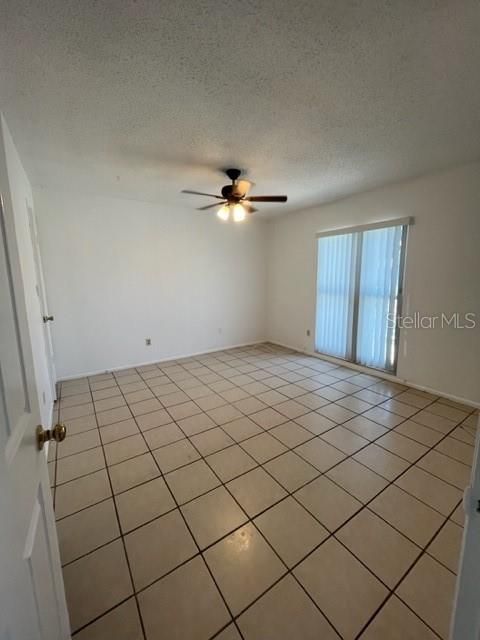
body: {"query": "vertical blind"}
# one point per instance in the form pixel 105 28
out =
pixel 358 295
pixel 334 294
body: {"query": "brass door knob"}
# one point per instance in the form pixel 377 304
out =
pixel 58 434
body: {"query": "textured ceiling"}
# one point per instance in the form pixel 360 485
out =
pixel 317 99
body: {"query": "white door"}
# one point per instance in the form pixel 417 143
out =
pixel 32 599
pixel 466 616
pixel 46 318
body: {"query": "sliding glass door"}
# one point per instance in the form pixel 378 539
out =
pixel 359 281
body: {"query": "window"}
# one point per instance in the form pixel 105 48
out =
pixel 359 287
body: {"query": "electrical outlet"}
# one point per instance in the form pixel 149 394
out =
pixel 308 332
pixel 148 342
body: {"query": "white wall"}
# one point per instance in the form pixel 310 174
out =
pixel 442 273
pixel 14 178
pixel 118 271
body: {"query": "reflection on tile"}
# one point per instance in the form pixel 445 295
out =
pixel 243 566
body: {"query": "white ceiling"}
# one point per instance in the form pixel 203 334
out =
pixel 317 99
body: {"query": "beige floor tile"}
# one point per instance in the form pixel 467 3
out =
pixel 365 427
pixel 383 417
pixel 460 451
pixel 143 503
pixel 138 396
pixel 413 399
pixel 122 623
pixel 196 424
pixel 212 516
pixel 271 397
pixel 315 422
pixel 328 502
pixel 285 613
pixel 291 471
pixel 118 430
pixel 123 449
pixel 104 384
pixel 79 442
pixel 224 414
pixel 256 491
pixel 250 405
pixel 230 633
pixel 344 590
pixel 263 447
pixel 86 530
pixel 154 419
pixel 210 402
pixel 74 400
pixel 132 472
pixel 458 516
pixel 419 433
pixel 428 590
pixel 233 394
pixel 241 429
pixel 312 401
pixel 465 433
pixel 80 425
pixel 384 550
pixel 382 461
pixel 431 490
pixel 358 480
pixel 407 514
pixel 291 409
pixel 145 406
pixel 176 455
pixel 105 568
pixel 243 566
pixel 230 463
pixel 291 530
pixel 184 410
pixel 190 481
pixel 336 413
pixel 82 492
pixel 345 440
pixel 211 441
pixel 158 547
pixel 109 403
pixel 165 389
pixel 401 446
pixel 268 418
pixel 173 399
pixel 161 436
pixel 447 411
pixel 320 454
pixel 400 408
pixel 113 415
pixel 395 621
pixel 77 411
pixel 446 546
pixel 191 591
pixel 446 468
pixel 291 434
pixel 79 465
pixel 442 425
pixel 354 404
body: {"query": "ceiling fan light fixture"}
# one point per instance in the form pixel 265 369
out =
pixel 239 213
pixel 224 213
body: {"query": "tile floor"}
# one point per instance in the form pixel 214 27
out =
pixel 261 494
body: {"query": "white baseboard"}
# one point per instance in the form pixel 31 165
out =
pixel 174 357
pixel 379 374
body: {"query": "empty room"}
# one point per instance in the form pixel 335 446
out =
pixel 239 320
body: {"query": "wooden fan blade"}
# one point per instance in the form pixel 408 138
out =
pixel 199 193
pixel 210 206
pixel 266 199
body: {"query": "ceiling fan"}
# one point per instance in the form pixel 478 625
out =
pixel 235 199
